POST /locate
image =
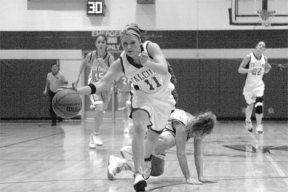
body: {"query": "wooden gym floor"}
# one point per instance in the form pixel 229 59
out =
pixel 35 157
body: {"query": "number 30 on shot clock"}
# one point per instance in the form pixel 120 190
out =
pixel 95 7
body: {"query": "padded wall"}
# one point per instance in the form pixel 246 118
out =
pixel 216 85
pixel 22 83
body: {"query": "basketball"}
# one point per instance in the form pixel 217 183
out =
pixel 67 103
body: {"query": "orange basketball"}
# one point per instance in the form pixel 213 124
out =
pixel 67 103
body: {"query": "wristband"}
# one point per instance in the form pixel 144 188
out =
pixel 93 88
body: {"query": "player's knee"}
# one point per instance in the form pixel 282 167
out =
pixel 259 105
pixel 160 146
pixel 258 108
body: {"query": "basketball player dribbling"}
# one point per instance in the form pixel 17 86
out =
pixel 254 65
pixel 99 62
pixel 152 101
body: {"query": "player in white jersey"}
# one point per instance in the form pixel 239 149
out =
pixel 99 62
pixel 255 65
pixel 181 127
pixel 152 101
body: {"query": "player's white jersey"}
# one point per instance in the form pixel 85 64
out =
pixel 180 116
pixel 255 79
pixel 145 79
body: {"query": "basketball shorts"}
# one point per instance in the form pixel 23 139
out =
pixel 124 99
pixel 250 94
pixel 158 106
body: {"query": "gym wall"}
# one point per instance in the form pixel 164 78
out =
pixel 195 36
pixel 206 69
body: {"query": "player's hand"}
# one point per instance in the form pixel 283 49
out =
pixel 45 92
pixel 76 82
pixel 64 87
pixel 92 106
pixel 193 181
pixel 100 60
pixel 253 70
pixel 267 68
pixel 280 67
pixel 143 57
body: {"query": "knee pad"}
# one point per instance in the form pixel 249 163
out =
pixel 157 165
pixel 259 105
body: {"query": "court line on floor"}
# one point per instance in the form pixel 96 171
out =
pixel 278 169
pixel 26 141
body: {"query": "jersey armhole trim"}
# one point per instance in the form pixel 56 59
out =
pixel 247 65
pixel 122 65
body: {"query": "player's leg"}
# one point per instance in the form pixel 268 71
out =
pixel 52 113
pixel 124 105
pixel 259 114
pixel 116 165
pixel 166 141
pixel 259 108
pixel 140 121
pixel 97 104
pixel 154 114
pixel 249 109
pixel 150 142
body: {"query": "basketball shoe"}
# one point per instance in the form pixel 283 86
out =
pixel 94 140
pixel 97 140
pixel 116 165
pixel 92 145
pixel 259 129
pixel 248 125
pixel 139 182
pixel 126 153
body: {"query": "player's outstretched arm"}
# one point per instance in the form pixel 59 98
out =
pixel 204 123
pixel 181 137
pixel 114 72
pixel 46 87
pixel 199 160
